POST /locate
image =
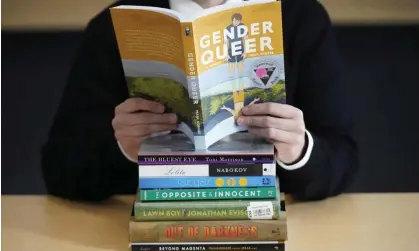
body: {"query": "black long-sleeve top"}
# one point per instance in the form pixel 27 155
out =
pixel 81 159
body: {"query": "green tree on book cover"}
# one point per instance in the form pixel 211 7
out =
pixel 176 99
pixel 165 91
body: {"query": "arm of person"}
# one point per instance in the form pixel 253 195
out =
pixel 81 159
pixel 254 101
pixel 227 109
pixel 329 159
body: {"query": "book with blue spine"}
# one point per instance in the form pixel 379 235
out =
pixel 206 182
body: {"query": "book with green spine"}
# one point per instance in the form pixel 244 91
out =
pixel 273 209
pixel 208 194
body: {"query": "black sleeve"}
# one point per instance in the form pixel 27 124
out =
pixel 81 159
pixel 319 94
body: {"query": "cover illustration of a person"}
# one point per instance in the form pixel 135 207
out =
pixel 187 31
pixel 236 41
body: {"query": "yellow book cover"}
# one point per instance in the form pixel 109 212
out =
pixel 204 68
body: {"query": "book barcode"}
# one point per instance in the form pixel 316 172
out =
pixel 261 212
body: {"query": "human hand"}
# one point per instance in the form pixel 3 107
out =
pixel 136 118
pixel 281 124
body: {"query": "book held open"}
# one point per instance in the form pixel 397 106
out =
pixel 204 68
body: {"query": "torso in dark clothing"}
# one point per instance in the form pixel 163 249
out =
pixel 82 161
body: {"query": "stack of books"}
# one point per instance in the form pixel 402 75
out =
pixel 212 187
pixel 220 198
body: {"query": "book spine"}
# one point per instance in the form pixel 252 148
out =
pixel 224 210
pixel 206 170
pixel 192 77
pixel 205 159
pixel 236 246
pixel 206 182
pixel 208 194
pixel 207 231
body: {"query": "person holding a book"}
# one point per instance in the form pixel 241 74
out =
pixel 91 152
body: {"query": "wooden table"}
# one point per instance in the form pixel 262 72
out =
pixel 353 222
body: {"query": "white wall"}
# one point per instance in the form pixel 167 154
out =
pixel 74 14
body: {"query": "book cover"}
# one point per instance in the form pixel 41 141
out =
pixel 272 209
pixel 197 194
pixel 206 68
pixel 206 170
pixel 207 231
pixel 238 148
pixel 205 182
pixel 195 246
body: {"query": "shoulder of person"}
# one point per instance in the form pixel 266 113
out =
pixel 296 11
pixel 103 21
pixel 305 22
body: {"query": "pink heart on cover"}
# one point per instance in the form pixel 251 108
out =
pixel 261 72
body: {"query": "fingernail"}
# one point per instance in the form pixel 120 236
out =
pixel 240 121
pixel 244 109
pixel 160 108
pixel 173 118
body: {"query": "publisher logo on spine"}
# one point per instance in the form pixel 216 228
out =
pixel 265 74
